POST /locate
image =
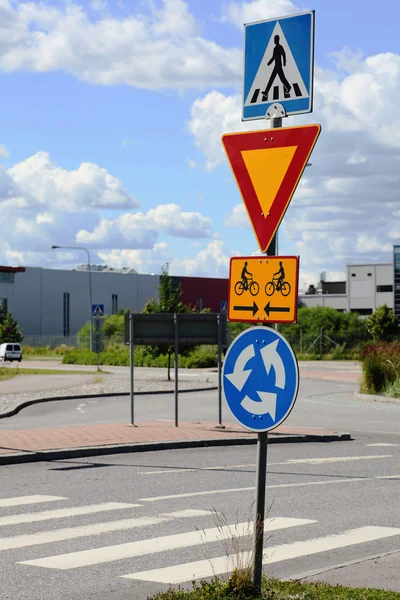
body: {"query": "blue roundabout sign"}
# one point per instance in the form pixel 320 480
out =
pixel 260 379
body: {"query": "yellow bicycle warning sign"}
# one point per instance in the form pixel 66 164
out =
pixel 263 288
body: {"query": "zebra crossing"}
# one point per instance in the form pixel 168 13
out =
pixel 151 547
pixel 277 92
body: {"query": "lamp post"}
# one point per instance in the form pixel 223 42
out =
pixel 90 284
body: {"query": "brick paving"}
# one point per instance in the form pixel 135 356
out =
pixel 34 440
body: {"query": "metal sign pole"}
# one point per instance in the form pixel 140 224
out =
pixel 131 365
pixel 219 371
pixel 176 320
pixel 262 441
pixel 262 447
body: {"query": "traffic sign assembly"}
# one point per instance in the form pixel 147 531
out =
pixel 260 379
pixel 97 310
pixel 267 166
pixel 279 65
pixel 263 289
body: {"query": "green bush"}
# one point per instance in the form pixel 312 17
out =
pixel 47 350
pixel 380 365
pixel 118 355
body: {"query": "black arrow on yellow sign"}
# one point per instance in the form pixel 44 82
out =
pixel 252 309
pixel 269 309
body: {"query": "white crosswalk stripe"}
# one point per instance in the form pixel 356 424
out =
pixel 63 513
pixel 217 566
pixel 155 545
pixel 71 533
pixel 213 538
pixel 23 500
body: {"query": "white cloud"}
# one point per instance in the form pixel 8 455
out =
pixel 238 217
pixel 160 50
pixel 41 182
pixel 144 261
pixel 240 13
pixel 348 200
pixel 141 230
pixel 212 261
pixel 4 153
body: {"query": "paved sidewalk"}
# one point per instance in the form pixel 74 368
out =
pixel 29 445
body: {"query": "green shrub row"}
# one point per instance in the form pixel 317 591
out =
pixel 47 350
pixel 381 366
pixel 118 355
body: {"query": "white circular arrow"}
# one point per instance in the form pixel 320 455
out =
pixel 239 375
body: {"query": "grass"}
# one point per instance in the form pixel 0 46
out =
pixel 274 589
pixel 13 371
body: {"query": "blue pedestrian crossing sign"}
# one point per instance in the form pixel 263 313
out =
pixel 97 310
pixel 279 65
pixel 260 378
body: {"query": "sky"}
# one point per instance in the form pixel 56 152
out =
pixel 112 113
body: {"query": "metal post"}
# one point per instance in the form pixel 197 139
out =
pixel 131 365
pixel 219 371
pixel 90 302
pixel 320 342
pixel 176 320
pixel 262 447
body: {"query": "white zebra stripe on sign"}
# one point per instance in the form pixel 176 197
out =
pixel 62 513
pixel 107 554
pixel 23 500
pixel 72 533
pixel 216 566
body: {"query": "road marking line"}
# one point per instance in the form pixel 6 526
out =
pixel 223 564
pixel 334 459
pixel 23 500
pixel 106 554
pixel 190 469
pixel 72 533
pixel 388 477
pixel 382 444
pixel 315 461
pixel 247 489
pixel 64 512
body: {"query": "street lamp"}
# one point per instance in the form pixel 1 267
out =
pixel 90 284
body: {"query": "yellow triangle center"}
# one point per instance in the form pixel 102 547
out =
pixel 267 169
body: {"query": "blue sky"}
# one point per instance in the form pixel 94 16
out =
pixel 112 114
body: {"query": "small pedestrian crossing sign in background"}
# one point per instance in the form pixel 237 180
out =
pixel 279 65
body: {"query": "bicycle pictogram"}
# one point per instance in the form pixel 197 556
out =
pixel 250 285
pixel 277 285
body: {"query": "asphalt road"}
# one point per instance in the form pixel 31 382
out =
pixel 327 404
pixel 334 512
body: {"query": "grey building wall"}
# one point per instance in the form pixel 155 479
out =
pixel 36 297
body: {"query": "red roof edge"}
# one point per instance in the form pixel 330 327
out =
pixel 12 269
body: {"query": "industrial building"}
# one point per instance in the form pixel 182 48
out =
pixel 51 305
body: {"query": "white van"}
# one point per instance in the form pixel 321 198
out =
pixel 10 351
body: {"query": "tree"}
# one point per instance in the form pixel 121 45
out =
pixel 169 302
pixel 10 331
pixel 382 324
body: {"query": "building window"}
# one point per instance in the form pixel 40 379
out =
pixel 6 277
pixel 384 288
pixel 369 274
pixel 66 315
pixel 353 274
pixel 114 307
pixel 4 305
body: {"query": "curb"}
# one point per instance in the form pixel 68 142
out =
pixel 66 453
pixel 18 408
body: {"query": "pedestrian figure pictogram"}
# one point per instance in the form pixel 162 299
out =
pixel 278 56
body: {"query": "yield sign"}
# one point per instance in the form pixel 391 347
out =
pixel 267 166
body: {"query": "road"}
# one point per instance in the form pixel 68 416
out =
pixel 334 509
pixel 321 403
pixel 120 527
